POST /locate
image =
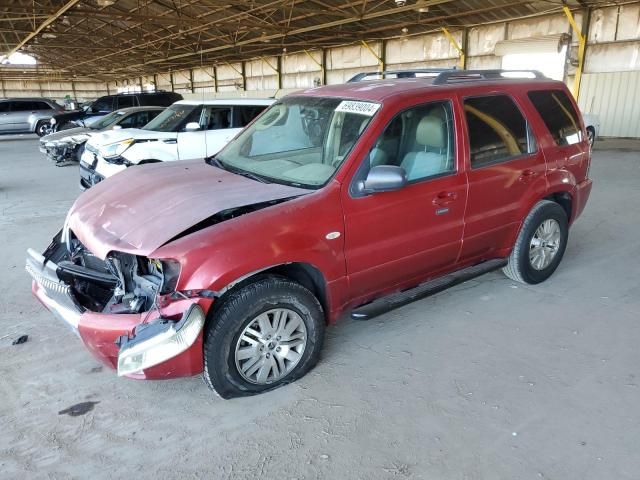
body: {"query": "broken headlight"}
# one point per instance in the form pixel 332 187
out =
pixel 157 342
pixel 116 149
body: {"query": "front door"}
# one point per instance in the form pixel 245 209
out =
pixel 395 238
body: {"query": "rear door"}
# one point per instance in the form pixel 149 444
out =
pixel 395 238
pixel 505 168
pixel 566 144
pixel 18 118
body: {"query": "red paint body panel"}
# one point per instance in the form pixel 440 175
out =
pixel 100 331
pixel 130 212
pixel 386 241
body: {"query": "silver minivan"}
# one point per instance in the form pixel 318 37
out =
pixel 27 115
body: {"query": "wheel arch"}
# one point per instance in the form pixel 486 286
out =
pixel 306 274
pixel 565 200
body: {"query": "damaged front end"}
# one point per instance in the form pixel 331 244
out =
pixel 64 151
pixel 124 307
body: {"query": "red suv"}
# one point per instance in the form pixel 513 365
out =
pixel 358 197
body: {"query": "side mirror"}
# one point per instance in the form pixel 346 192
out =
pixel 116 127
pixel 384 178
pixel 192 127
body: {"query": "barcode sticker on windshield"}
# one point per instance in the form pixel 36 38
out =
pixel 360 108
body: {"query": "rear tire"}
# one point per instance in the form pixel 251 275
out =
pixel 540 244
pixel 261 336
pixel 43 128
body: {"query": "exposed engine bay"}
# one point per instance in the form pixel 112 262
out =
pixel 122 283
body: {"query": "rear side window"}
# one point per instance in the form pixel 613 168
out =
pixel 558 115
pixel 103 104
pixel 158 99
pixel 4 106
pixel 242 116
pixel 126 101
pixel 21 106
pixel 497 129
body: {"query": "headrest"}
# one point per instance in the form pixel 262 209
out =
pixel 430 132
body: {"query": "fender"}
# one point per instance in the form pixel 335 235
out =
pixel 294 231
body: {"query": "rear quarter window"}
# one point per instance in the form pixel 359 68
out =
pixel 497 130
pixel 558 114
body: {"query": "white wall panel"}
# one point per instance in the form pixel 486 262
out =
pixel 614 98
pixel 482 40
pixel 629 22
pixel 613 57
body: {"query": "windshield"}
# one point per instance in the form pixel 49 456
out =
pixel 299 141
pixel 174 118
pixel 106 121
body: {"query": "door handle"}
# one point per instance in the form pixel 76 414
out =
pixel 170 140
pixel 527 175
pixel 445 198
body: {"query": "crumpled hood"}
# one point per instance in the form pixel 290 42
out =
pixel 112 136
pixel 143 207
pixel 63 134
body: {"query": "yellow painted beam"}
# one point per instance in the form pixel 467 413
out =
pixel 373 52
pixel 455 44
pixel 582 44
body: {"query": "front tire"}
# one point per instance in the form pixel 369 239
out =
pixel 540 244
pixel 261 336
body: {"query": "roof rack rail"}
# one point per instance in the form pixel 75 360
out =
pixel 409 73
pixel 456 76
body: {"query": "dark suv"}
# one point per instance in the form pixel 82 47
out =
pixel 110 103
pixel 345 198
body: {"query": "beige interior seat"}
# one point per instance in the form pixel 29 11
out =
pixel 429 158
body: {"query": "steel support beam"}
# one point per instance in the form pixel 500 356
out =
pixel 379 58
pixel 462 58
pixel 582 48
pixel 43 25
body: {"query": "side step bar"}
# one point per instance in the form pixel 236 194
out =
pixel 399 299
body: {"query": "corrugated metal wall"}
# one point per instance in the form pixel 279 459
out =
pixel 615 98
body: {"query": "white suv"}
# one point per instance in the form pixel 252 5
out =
pixel 186 130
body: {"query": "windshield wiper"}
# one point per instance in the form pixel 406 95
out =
pixel 250 175
pixel 212 160
pixel 216 162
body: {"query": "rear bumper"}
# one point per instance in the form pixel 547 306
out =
pixel 99 332
pixel 580 197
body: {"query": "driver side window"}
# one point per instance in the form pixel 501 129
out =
pixel 420 140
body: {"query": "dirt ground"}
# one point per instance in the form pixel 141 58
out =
pixel 489 380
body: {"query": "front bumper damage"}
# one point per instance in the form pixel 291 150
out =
pixel 158 343
pixel 60 152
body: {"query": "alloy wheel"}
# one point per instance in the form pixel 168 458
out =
pixel 270 346
pixel 545 244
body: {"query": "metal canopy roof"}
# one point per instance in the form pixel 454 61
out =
pixel 123 38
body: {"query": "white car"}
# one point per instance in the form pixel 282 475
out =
pixel 184 131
